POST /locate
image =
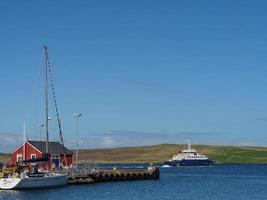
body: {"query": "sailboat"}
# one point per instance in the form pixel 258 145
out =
pixel 36 179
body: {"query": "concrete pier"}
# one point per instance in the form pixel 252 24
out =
pixel 96 176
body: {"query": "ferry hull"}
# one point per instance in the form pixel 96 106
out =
pixel 195 163
pixel 33 182
pixel 190 163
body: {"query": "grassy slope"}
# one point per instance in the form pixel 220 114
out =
pixel 4 157
pixel 160 153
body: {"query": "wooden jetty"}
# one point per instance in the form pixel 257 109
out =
pixel 96 176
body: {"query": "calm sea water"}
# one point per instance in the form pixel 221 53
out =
pixel 222 182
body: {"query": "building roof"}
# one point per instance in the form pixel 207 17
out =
pixel 53 148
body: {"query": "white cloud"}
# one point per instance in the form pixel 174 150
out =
pixel 9 141
pixel 124 138
pixel 108 141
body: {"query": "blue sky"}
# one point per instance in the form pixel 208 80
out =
pixel 141 72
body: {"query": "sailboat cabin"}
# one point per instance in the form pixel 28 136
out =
pixel 35 150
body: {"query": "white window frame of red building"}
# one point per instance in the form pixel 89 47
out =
pixel 33 155
pixel 19 156
pixel 55 156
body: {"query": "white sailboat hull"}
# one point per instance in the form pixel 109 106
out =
pixel 56 180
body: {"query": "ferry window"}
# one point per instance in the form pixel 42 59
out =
pixel 33 156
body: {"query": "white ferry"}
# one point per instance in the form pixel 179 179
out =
pixel 188 157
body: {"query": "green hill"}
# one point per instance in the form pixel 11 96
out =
pixel 160 153
pixel 4 157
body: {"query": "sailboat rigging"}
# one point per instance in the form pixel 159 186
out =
pixel 56 107
pixel 35 179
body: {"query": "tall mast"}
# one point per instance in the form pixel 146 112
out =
pixel 24 141
pixel 46 98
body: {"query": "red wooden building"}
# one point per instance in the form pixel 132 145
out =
pixel 36 149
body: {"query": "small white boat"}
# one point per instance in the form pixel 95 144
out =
pixel 33 181
pixel 166 166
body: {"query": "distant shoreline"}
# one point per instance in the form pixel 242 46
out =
pixel 160 153
pixel 163 152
